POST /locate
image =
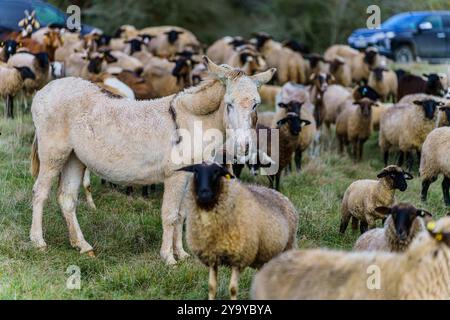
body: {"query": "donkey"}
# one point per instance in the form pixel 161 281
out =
pixel 78 126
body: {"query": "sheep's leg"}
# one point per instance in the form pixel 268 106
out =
pixel 129 191
pixel 298 159
pixel 41 191
pixel 174 190
pixel 363 227
pixel 277 181
pixel 69 184
pixel 386 158
pixel 425 186
pixel 345 219
pixel 445 190
pixel 234 283
pixel 355 223
pixel 400 158
pixel 9 107
pixel 87 189
pixel 145 191
pixel 212 285
pixel 410 160
pixel 419 155
pixel 102 181
pixel 360 148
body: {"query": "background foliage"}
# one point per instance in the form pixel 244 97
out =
pixel 317 23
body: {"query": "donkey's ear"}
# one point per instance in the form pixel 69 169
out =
pixel 218 71
pixel 263 77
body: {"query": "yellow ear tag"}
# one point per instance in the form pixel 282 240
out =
pixel 431 225
pixel 227 176
pixel 439 237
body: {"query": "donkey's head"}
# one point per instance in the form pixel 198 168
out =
pixel 241 100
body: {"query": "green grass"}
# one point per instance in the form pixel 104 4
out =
pixel 126 231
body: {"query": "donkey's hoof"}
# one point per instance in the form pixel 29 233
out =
pixel 169 259
pixel 182 255
pixel 39 244
pixel 91 254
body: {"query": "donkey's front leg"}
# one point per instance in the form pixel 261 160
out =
pixel 174 190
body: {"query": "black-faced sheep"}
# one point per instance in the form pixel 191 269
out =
pixel 362 197
pixel 433 85
pixel 419 273
pixel 341 72
pixel 403 223
pixel 233 224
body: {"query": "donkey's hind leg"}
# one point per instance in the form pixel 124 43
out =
pixel 69 184
pixel 87 189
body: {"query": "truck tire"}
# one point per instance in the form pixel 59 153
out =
pixel 404 54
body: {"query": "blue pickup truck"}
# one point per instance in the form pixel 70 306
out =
pixel 407 36
pixel 12 11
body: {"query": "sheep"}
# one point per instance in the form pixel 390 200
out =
pixel 268 94
pixel 354 126
pixel 384 81
pixel 433 85
pixel 233 224
pixel 334 98
pixel 361 64
pixel 296 46
pixel 444 116
pixel 340 50
pixel 363 196
pixel 248 59
pixel 377 113
pixel 419 273
pixel 434 161
pixel 11 82
pixel 405 126
pixel 290 65
pixel 315 64
pixel 341 71
pixel 403 223
pixel 84 64
pixel 221 50
pixel 8 48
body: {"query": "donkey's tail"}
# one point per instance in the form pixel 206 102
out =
pixel 35 163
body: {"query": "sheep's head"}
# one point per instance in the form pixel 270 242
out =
pixel 261 38
pixel 396 176
pixel 321 80
pixel 403 216
pixel 365 92
pixel 183 65
pixel 365 106
pixel 173 35
pixel 250 60
pixel 314 59
pixel 294 122
pixel 446 110
pixel 237 42
pixel 378 73
pixel 26 73
pixel 208 179
pixel 440 230
pixel 135 45
pixel 146 38
pixel 435 84
pixel 429 107
pixel 103 40
pixel 10 47
pixel 335 64
pixel 296 46
pixel 370 55
pixel 241 100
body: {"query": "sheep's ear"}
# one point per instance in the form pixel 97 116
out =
pixel 423 213
pixel 225 173
pixel 407 175
pixel 263 77
pixel 383 210
pixel 418 102
pixel 304 122
pixel 382 174
pixel 191 168
pixel 425 75
pixel 281 122
pixel 109 58
pixel 282 105
pixel 218 71
pixel 312 76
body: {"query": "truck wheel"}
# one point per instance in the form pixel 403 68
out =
pixel 404 54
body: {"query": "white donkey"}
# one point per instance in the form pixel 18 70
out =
pixel 130 142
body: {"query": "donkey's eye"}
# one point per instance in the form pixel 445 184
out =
pixel 255 106
pixel 229 106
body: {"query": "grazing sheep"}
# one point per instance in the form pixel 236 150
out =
pixel 233 224
pixel 405 126
pixel 340 50
pixel 383 81
pixel 341 72
pixel 403 223
pixel 433 85
pixel 11 82
pixel 434 161
pixel 419 273
pixel 354 126
pixel 363 196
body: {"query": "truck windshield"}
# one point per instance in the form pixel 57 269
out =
pixel 402 21
pixel 49 15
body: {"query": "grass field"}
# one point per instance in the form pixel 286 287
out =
pixel 126 231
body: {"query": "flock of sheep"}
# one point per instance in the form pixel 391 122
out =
pixel 96 119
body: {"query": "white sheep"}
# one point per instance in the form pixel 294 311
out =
pixel 422 272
